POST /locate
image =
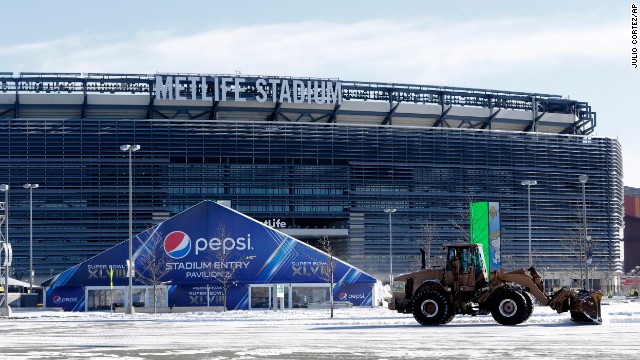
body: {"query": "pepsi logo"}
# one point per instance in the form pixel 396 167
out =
pixel 59 300
pixel 345 296
pixel 177 245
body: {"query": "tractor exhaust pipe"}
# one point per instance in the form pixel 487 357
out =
pixel 424 258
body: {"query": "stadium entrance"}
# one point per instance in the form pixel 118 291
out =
pixel 197 256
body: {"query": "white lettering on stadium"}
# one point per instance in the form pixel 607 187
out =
pixel 227 244
pixel 207 265
pixel 278 224
pixel 281 90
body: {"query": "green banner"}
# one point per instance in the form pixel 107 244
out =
pixel 479 228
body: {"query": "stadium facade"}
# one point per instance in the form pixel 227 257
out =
pixel 315 158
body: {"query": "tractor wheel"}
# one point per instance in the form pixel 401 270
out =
pixel 449 316
pixel 529 300
pixel 509 307
pixel 430 308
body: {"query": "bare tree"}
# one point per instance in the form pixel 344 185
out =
pixel 426 241
pixel 464 215
pixel 573 241
pixel 515 262
pixel 327 270
pixel 153 262
pixel 225 264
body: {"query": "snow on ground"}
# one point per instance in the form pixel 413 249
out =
pixel 354 333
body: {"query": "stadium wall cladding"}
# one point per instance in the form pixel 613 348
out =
pixel 314 157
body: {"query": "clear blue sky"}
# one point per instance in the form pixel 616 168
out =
pixel 580 49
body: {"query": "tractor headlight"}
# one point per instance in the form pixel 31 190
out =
pixel 398 286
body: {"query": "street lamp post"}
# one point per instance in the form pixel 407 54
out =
pixel 130 149
pixel 583 180
pixel 390 211
pixel 30 187
pixel 6 311
pixel 528 183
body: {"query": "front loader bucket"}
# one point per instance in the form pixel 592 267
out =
pixel 585 307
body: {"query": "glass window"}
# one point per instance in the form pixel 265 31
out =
pixel 138 297
pixel 102 299
pixel 260 297
pixel 465 261
pixel 302 297
pixel 161 297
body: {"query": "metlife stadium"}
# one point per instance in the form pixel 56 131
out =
pixel 315 158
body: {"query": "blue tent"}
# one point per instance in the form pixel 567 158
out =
pixel 196 250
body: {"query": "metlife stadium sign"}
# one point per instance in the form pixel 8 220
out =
pixel 200 245
pixel 275 90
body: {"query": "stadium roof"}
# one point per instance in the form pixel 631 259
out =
pixel 631 191
pixel 102 95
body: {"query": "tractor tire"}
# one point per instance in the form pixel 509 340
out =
pixel 510 307
pixel 450 316
pixel 431 308
pixel 529 300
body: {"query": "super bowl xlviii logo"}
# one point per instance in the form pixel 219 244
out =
pixel 177 244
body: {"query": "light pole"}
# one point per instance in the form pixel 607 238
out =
pixel 390 211
pixel 6 311
pixel 30 187
pixel 583 180
pixel 528 183
pixel 130 149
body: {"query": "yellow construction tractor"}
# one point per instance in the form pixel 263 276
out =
pixel 436 296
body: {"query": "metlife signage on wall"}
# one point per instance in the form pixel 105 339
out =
pixel 200 244
pixel 275 90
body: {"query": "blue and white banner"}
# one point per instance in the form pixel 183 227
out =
pixel 494 235
pixel 205 244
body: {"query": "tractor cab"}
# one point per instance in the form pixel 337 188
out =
pixel 465 263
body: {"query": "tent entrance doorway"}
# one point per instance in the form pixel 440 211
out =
pixel 269 297
pixel 103 297
pixel 294 296
pixel 261 297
